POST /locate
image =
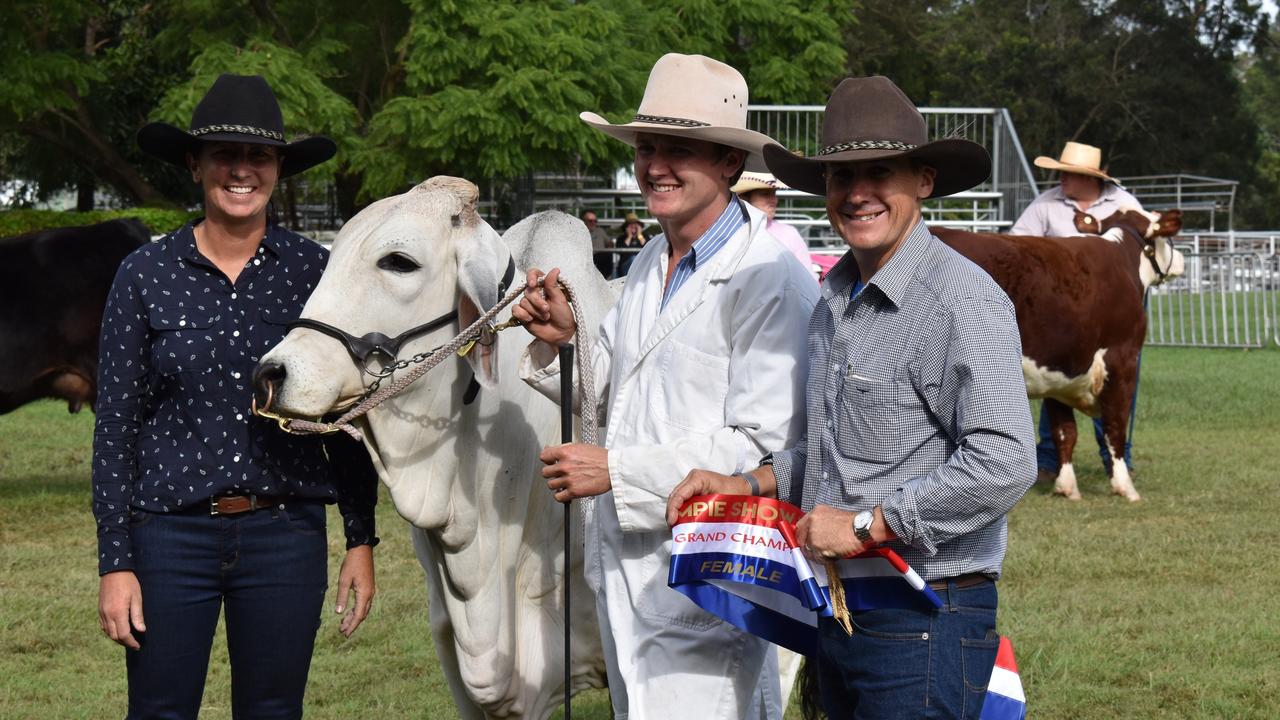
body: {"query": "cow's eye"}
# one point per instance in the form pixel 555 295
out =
pixel 398 263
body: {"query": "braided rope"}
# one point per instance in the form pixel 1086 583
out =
pixel 586 380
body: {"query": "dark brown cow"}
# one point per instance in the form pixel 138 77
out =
pixel 1080 315
pixel 53 287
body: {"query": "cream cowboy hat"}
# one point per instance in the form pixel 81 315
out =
pixel 869 118
pixel 757 181
pixel 1077 158
pixel 691 96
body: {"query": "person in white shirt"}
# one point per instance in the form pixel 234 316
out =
pixel 702 363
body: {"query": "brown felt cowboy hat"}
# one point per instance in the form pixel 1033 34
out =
pixel 238 108
pixel 869 118
pixel 1080 159
pixel 691 96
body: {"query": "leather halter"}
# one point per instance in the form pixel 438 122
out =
pixel 363 348
pixel 1149 250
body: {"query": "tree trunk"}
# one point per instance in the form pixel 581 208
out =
pixel 84 194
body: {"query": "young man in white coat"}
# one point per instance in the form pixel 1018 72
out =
pixel 702 363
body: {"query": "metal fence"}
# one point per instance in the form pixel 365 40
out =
pixel 1201 199
pixel 1224 299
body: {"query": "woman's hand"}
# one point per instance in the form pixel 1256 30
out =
pixel 356 577
pixel 120 607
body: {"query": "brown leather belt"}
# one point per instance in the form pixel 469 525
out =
pixel 236 504
pixel 967 580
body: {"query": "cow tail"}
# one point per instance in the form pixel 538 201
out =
pixel 810 697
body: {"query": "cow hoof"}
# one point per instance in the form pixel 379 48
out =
pixel 1070 495
pixel 1131 495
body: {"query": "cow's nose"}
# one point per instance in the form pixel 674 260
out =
pixel 267 379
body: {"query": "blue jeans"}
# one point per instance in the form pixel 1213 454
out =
pixel 911 663
pixel 268 567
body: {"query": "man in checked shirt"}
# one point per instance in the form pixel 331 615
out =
pixel 918 434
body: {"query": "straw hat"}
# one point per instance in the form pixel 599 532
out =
pixel 869 118
pixel 238 108
pixel 691 96
pixel 1078 158
pixel 757 181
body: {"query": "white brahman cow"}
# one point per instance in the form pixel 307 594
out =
pixel 485 528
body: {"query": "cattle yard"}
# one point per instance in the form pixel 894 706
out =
pixel 1136 610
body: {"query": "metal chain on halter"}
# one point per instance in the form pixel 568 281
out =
pixel 375 395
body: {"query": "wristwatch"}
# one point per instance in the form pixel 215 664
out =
pixel 862 526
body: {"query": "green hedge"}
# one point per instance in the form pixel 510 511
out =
pixel 159 221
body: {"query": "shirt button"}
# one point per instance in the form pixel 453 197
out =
pixel 824 475
pixel 182 323
pixel 235 333
pixel 239 416
pixel 233 296
pixel 235 375
pixel 256 261
pixel 235 459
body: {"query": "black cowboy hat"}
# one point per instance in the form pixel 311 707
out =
pixel 238 108
pixel 869 118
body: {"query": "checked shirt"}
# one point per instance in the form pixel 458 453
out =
pixel 916 402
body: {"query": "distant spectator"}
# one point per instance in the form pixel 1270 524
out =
pixel 632 236
pixel 761 191
pixel 599 241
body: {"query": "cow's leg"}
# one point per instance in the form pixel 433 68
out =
pixel 442 627
pixel 1116 401
pixel 1062 426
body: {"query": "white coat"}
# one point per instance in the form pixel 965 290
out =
pixel 714 380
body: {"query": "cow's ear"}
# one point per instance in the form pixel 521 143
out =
pixel 481 263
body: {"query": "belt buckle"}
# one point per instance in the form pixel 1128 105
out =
pixel 213 505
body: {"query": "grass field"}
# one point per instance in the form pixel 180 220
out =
pixel 1161 609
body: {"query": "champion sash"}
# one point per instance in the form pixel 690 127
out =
pixel 736 557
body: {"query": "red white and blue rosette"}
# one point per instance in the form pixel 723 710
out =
pixel 736 557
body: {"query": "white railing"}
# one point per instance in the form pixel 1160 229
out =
pixel 1222 300
pixel 1197 196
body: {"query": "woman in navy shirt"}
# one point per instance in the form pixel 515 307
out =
pixel 200 504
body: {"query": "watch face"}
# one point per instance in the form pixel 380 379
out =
pixel 862 520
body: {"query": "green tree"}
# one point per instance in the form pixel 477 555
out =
pixel 1152 83
pixel 407 88
pixel 493 90
pixel 75 92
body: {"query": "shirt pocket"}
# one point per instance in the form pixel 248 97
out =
pixel 274 325
pixel 694 386
pixel 868 422
pixel 183 341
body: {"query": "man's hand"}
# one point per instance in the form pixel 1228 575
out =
pixel 355 577
pixel 576 470
pixel 545 310
pixel 827 533
pixel 120 607
pixel 705 482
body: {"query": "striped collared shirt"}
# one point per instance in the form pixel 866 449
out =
pixel 705 248
pixel 916 403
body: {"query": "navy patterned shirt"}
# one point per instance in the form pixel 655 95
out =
pixel 915 402
pixel 174 428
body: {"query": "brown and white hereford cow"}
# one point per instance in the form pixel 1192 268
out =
pixel 1081 318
